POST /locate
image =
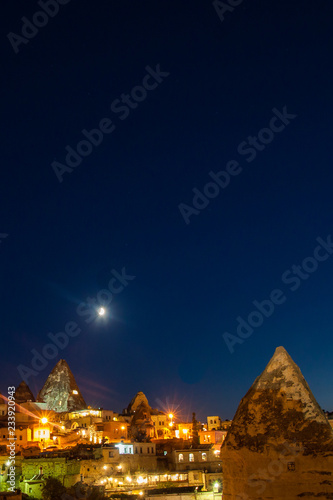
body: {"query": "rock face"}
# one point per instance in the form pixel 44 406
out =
pixel 142 427
pixel 280 444
pixel 23 394
pixel 60 391
pixel 138 399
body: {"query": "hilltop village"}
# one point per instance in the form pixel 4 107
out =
pixel 59 435
pixel 279 444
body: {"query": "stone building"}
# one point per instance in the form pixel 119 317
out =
pixel 216 438
pixel 129 457
pixel 35 470
pixel 280 444
pixel 213 423
pixel 201 458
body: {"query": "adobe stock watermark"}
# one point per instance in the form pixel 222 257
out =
pixel 40 19
pixel 284 461
pixel 264 309
pixel 122 108
pixel 89 311
pixel 224 7
pixel 249 148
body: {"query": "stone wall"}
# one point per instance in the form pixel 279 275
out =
pixel 67 471
pixel 283 474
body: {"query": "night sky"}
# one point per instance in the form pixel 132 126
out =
pixel 195 264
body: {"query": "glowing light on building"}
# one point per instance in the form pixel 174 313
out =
pixel 75 392
pixel 216 486
pixel 44 420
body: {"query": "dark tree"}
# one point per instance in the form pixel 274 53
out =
pixel 52 489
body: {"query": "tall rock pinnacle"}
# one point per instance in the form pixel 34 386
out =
pixel 23 394
pixel 60 391
pixel 280 444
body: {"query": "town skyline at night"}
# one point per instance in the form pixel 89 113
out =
pixel 174 167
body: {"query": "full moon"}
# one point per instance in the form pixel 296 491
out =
pixel 101 311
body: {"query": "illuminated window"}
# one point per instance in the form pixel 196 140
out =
pixel 191 457
pixel 204 457
pixel 181 457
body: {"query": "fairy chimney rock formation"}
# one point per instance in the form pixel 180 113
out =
pixel 280 444
pixel 138 399
pixel 23 394
pixel 60 391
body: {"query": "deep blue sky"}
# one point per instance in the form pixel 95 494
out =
pixel 119 207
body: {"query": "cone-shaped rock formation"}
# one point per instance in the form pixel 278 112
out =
pixel 60 391
pixel 280 444
pixel 23 394
pixel 138 399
